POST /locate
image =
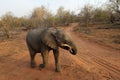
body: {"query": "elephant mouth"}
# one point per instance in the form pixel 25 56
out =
pixel 69 48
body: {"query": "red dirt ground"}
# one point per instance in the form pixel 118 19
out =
pixel 93 61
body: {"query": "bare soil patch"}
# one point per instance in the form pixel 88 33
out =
pixel 93 61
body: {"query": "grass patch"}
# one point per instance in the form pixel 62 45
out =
pixel 109 26
pixel 104 33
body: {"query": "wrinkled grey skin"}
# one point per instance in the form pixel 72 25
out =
pixel 46 39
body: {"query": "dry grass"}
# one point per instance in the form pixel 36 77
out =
pixel 105 33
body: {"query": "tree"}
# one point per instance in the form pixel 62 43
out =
pixel 41 16
pixel 115 5
pixel 6 23
pixel 60 16
pixel 64 17
pixel 101 15
pixel 87 14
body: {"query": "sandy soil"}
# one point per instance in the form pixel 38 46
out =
pixel 93 61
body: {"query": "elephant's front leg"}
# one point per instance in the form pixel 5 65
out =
pixel 32 55
pixel 56 56
pixel 45 55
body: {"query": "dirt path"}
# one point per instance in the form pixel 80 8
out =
pixel 93 62
pixel 99 59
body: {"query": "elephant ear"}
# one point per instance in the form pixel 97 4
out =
pixel 58 35
pixel 48 39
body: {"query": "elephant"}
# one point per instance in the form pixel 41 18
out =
pixel 42 40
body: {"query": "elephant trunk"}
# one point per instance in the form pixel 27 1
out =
pixel 73 50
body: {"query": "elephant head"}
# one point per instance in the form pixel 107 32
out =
pixel 55 38
pixel 65 42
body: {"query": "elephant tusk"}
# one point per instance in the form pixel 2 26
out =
pixel 66 45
